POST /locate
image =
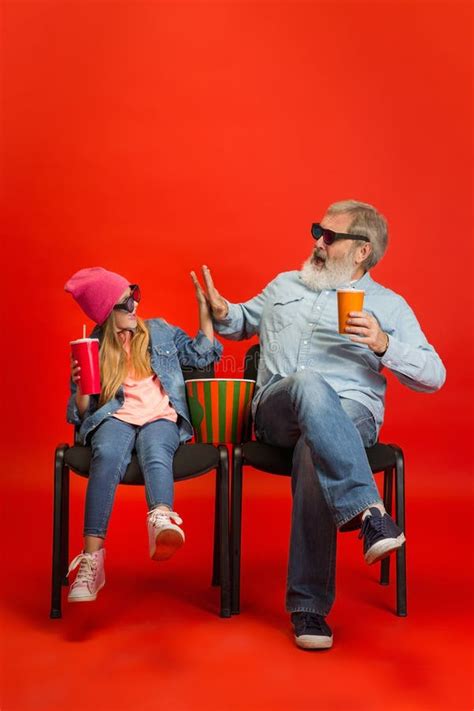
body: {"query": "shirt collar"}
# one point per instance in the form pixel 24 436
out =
pixel 363 282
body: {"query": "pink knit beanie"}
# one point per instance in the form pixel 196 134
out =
pixel 96 290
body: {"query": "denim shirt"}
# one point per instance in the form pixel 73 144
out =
pixel 298 330
pixel 170 349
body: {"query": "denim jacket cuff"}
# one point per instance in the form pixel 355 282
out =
pixel 203 345
pixel 73 416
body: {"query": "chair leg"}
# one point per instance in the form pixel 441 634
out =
pixel 387 499
pixel 224 563
pixel 216 573
pixel 61 475
pixel 400 518
pixel 236 527
pixel 65 527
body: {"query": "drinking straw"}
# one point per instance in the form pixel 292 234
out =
pixel 83 330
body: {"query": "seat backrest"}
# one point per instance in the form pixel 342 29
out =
pixel 251 362
pixel 190 373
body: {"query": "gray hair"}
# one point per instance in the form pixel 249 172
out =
pixel 366 221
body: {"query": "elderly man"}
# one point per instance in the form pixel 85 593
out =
pixel 323 393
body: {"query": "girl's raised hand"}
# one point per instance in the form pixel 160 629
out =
pixel 201 296
pixel 204 307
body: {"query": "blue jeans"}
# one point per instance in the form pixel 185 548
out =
pixel 112 445
pixel 331 479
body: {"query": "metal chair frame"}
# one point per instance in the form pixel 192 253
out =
pixel 218 462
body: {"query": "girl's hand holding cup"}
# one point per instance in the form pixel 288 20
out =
pixel 82 401
pixel 75 371
pixel 85 371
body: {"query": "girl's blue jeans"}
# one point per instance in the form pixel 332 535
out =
pixel 331 478
pixel 112 445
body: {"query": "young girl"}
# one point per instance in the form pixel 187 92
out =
pixel 142 407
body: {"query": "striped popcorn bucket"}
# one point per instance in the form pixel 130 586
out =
pixel 220 409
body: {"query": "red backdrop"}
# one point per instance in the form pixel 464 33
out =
pixel 152 137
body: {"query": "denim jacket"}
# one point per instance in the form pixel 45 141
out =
pixel 170 349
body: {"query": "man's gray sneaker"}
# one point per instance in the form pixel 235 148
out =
pixel 311 631
pixel 381 535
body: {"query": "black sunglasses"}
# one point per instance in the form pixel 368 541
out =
pixel 129 303
pixel 329 236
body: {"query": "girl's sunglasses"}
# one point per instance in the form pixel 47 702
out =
pixel 129 303
pixel 329 236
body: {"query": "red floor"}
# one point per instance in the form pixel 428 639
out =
pixel 154 640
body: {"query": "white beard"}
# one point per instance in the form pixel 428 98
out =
pixel 332 275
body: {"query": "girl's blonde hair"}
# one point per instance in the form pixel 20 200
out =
pixel 115 364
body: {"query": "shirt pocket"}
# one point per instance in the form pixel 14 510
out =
pixel 283 313
pixel 164 358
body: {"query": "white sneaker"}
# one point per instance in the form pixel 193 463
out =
pixel 90 578
pixel 164 536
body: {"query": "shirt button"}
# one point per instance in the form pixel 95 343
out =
pixel 310 323
pixel 326 292
pixel 318 308
pixel 305 343
pixel 302 367
pixel 389 362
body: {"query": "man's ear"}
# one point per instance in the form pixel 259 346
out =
pixel 363 252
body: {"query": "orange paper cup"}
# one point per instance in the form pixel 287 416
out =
pixel 348 300
pixel 220 409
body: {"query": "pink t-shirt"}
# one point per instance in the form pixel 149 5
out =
pixel 145 400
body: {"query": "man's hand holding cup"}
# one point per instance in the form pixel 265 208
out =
pixel 366 329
